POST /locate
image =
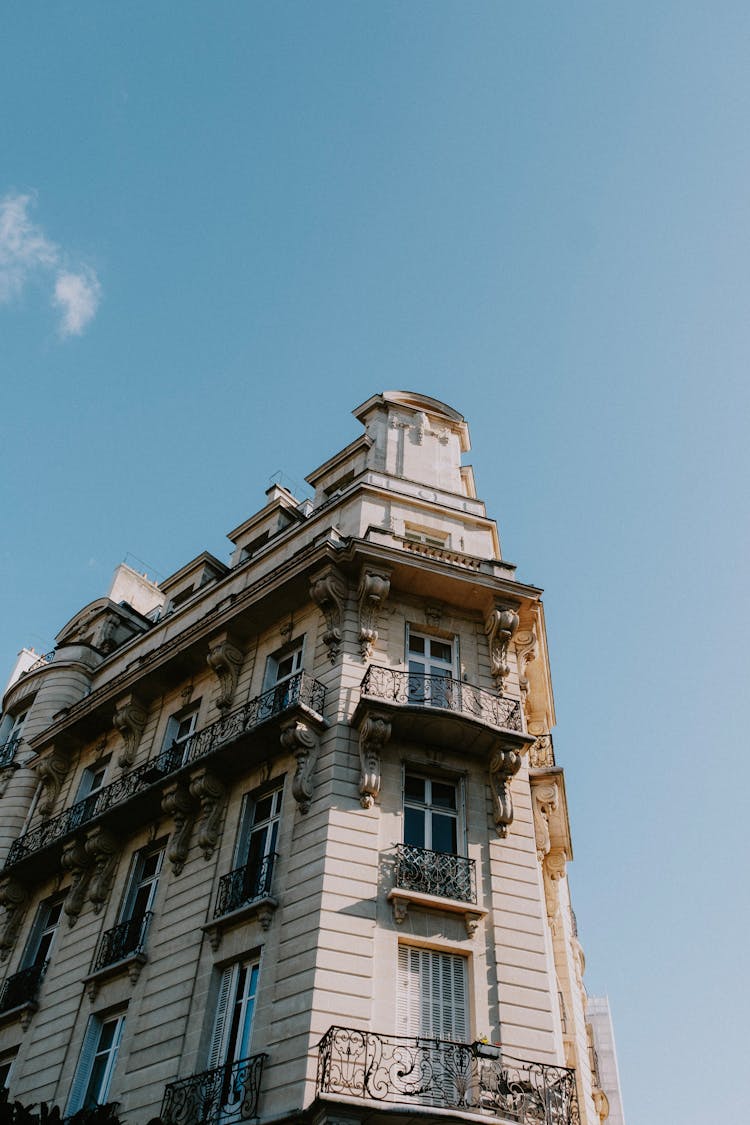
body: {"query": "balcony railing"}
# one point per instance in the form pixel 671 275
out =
pixel 8 750
pixel 444 1075
pixel 22 987
pixel 223 1095
pixel 392 685
pixel 435 873
pixel 300 689
pixel 244 886
pixel 124 940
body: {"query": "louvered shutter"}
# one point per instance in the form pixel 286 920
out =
pixel 215 1055
pixel 85 1064
pixel 432 994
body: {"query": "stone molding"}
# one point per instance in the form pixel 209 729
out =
pixel 13 898
pixel 51 771
pixel 328 590
pixel 401 899
pixel 298 738
pixel 225 660
pixel 504 765
pixel 210 792
pixel 77 863
pixel 104 850
pixel 500 625
pixel 374 733
pixel 177 803
pixel 374 587
pixel 130 720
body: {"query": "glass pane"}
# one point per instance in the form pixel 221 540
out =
pixel 441 650
pixel 414 788
pixel 262 809
pixel 443 795
pixel 414 827
pixel 443 833
pixel 416 644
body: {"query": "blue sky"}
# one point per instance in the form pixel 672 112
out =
pixel 226 225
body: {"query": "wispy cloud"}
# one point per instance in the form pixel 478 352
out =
pixel 27 254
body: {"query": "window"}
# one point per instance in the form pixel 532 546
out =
pixel 431 669
pixel 42 934
pixel 129 934
pixel 10 735
pixel 428 536
pixel 6 1066
pixel 432 994
pixel 232 1031
pixel 96 1064
pixel 431 814
pixel 257 840
pixel 180 727
pixel 282 681
pixel 92 780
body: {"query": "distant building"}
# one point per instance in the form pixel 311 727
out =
pixel 285 839
pixel 605 1056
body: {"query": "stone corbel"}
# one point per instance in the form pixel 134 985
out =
pixel 104 851
pixel 177 803
pixel 504 765
pixel 13 898
pixel 130 720
pixel 298 739
pixel 51 771
pixel 6 773
pixel 76 862
pixel 225 660
pixel 328 591
pixel 545 799
pixel 541 753
pixel 601 1103
pixel 206 788
pixel 374 733
pixel 526 651
pixel 500 625
pixel 554 870
pixel 374 587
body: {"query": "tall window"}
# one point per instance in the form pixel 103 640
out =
pixel 233 1024
pixel 96 1064
pixel 432 994
pixel 139 899
pixel 282 677
pixel 11 727
pixel 180 727
pixel 6 1066
pixel 431 669
pixel 431 814
pixel 42 935
pixel 257 840
pixel 92 780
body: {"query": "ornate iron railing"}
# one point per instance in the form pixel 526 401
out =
pixel 123 940
pixel 22 987
pixel 435 873
pixel 244 885
pixel 299 689
pixel 8 750
pixel 225 1094
pixel 393 685
pixel 438 1073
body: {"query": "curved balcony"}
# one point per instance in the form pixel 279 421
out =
pixel 468 1077
pixel 136 795
pixel 442 710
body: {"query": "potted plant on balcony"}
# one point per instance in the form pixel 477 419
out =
pixel 483 1049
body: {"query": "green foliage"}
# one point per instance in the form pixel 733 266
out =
pixel 14 1113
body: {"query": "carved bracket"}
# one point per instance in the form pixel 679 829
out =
pixel 130 720
pixel 545 799
pixel 225 660
pixel 500 624
pixel 503 767
pixel 553 870
pixel 374 733
pixel 13 898
pixel 104 851
pixel 51 771
pixel 206 788
pixel 374 587
pixel 526 651
pixel 297 738
pixel 177 803
pixel 77 863
pixel 328 591
pixel 6 773
pixel 542 752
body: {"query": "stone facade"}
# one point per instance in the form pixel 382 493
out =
pixel 286 839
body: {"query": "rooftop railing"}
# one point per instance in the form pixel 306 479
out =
pixel 393 685
pixel 435 873
pixel 469 1077
pixel 220 1096
pixel 299 689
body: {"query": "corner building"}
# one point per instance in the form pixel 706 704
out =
pixel 285 839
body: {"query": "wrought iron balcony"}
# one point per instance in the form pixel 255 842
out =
pixel 445 1075
pixel 8 750
pixel 435 873
pixel 299 690
pixel 22 987
pixel 223 1095
pixel 244 886
pixel 124 940
pixel 392 685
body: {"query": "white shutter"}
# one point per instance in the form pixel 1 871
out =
pixel 222 1005
pixel 432 994
pixel 409 992
pixel 85 1063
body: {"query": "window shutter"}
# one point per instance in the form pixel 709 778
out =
pixel 85 1063
pixel 432 995
pixel 222 1005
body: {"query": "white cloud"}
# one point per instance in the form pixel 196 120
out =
pixel 77 295
pixel 26 253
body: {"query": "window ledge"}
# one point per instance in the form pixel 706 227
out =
pixel 132 965
pixel 402 899
pixel 261 908
pixel 21 1012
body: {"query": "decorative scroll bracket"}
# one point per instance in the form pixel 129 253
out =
pixel 177 803
pixel 328 591
pixel 545 801
pixel 526 651
pixel 297 738
pixel 51 771
pixel 554 870
pixel 104 850
pixel 504 765
pixel 542 754
pixel 13 898
pixel 77 863
pixel 130 720
pixel 500 625
pixel 374 733
pixel 225 660
pixel 374 587
pixel 206 788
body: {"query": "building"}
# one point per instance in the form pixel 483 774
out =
pixel 286 839
pixel 604 1059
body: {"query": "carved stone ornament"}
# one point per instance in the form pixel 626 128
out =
pixel 526 652
pixel 130 720
pixel 374 733
pixel 105 852
pixel 601 1103
pixel 500 625
pixel 297 738
pixel 328 591
pixel 206 788
pixel 13 898
pixel 177 803
pixel 374 587
pixel 77 863
pixel 225 660
pixel 545 799
pixel 542 753
pixel 553 870
pixel 51 772
pixel 6 773
pixel 503 767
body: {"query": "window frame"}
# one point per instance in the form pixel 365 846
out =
pixel 420 975
pixel 410 769
pixel 174 721
pixel 83 1078
pixel 224 1041
pixel 41 927
pixel 294 649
